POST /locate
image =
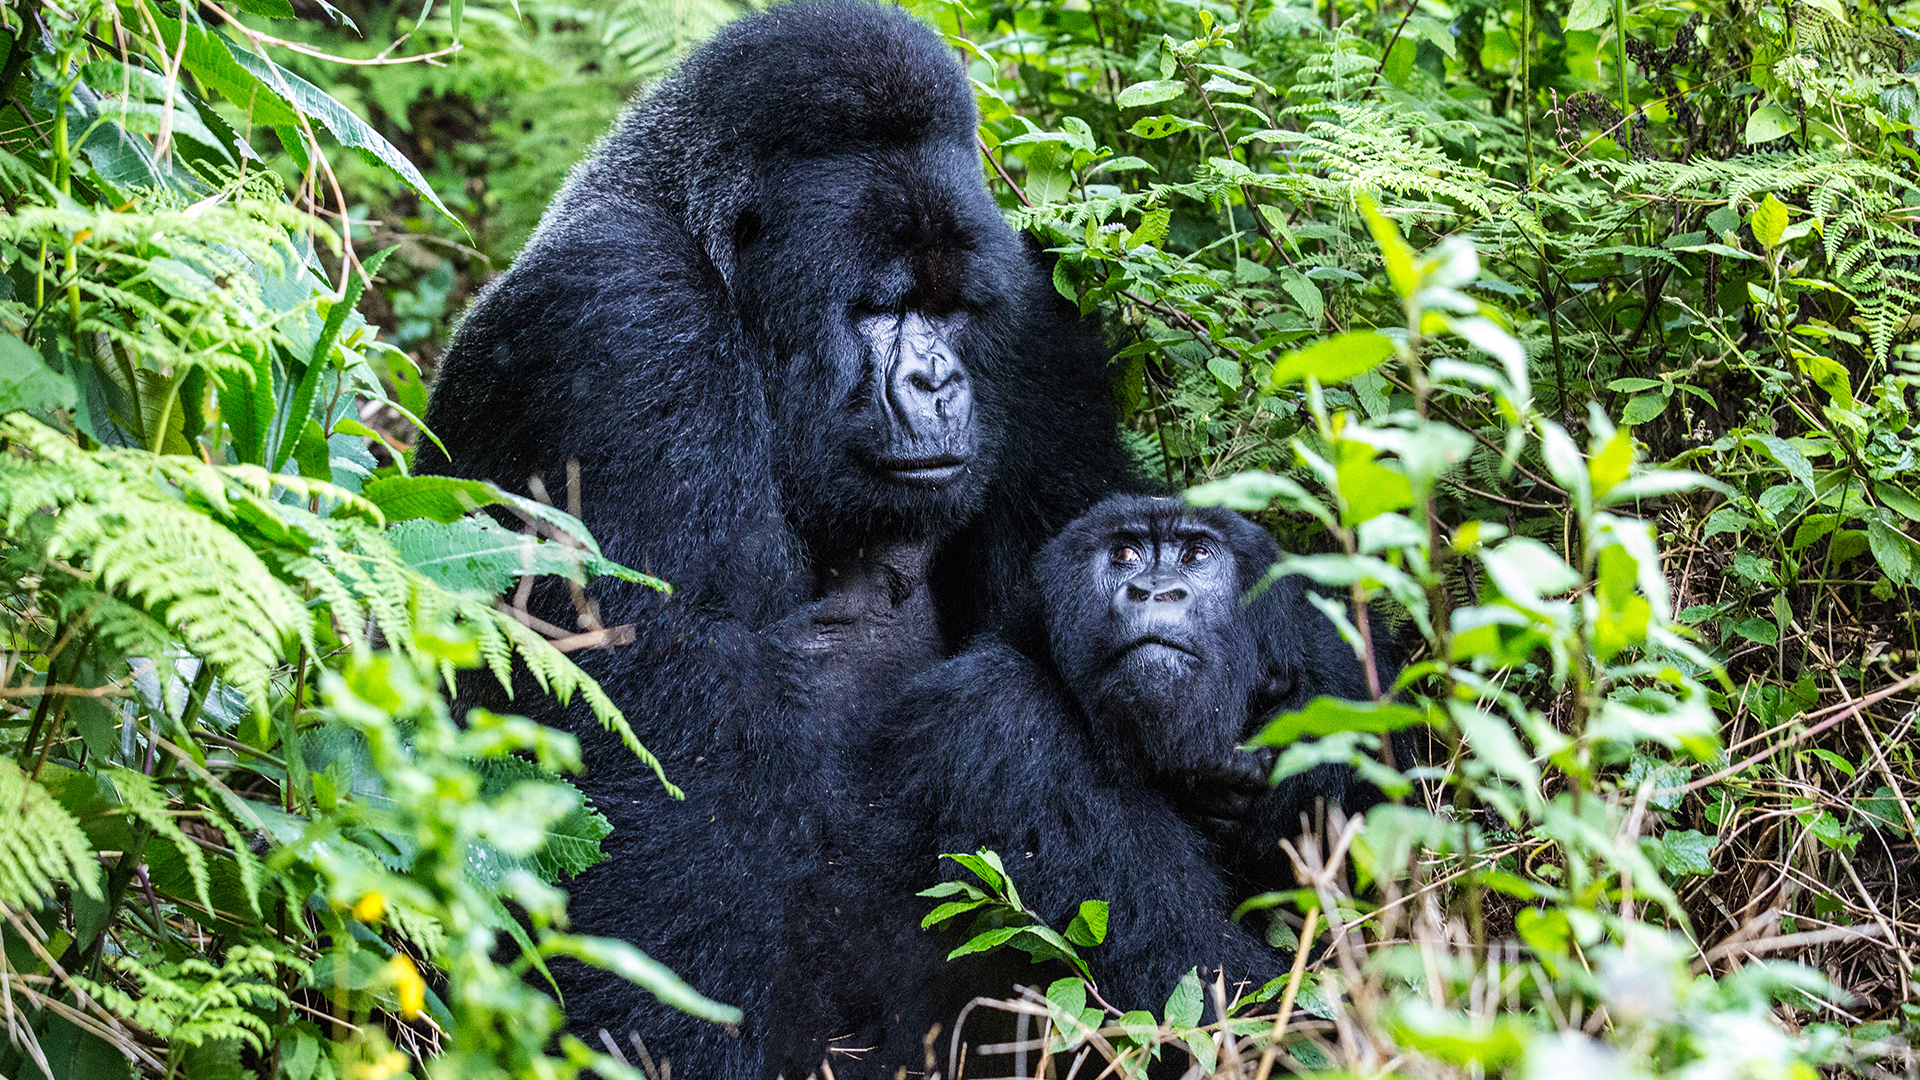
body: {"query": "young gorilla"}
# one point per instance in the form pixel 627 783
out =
pixel 802 369
pixel 1136 666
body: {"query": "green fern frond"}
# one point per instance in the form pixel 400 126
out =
pixel 146 803
pixel 40 844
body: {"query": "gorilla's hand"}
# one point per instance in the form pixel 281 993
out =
pixel 1229 789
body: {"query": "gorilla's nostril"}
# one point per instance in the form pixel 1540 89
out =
pixel 1170 596
pixel 1137 594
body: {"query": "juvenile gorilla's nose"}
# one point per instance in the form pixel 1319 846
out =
pixel 1152 602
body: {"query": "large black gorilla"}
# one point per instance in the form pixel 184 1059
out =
pixel 1131 666
pixel 811 378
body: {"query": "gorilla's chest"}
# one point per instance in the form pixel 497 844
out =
pixel 871 627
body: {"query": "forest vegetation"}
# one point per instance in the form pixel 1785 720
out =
pixel 1581 332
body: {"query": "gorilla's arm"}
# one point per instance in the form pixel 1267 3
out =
pixel 1306 658
pixel 673 459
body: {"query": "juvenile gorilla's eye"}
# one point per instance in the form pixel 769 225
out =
pixel 1196 552
pixel 1126 553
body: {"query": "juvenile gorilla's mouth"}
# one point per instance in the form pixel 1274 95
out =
pixel 935 471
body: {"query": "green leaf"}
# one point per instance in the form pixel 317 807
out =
pixel 1643 408
pixel 1494 744
pixel 1395 254
pixel 479 557
pixel 1152 230
pixel 991 939
pixel 1324 716
pixel 1049 172
pixel 1762 631
pixel 26 382
pixel 271 9
pixel 1459 1038
pixel 1769 122
pixel 1306 294
pixel 1525 570
pixel 1334 360
pixel 1159 127
pixel 41 845
pixel 352 131
pixel 1882 811
pixel 1788 458
pixel 1089 925
pixel 1253 491
pixel 1891 549
pixel 1898 499
pixel 1224 370
pixel 444 499
pixel 948 910
pixel 1769 221
pixel 571 843
pixel 1148 93
pixel 210 58
pixel 1684 851
pixel 1185 1005
pixel 641 970
pixel 1589 14
pixel 1370 489
pixel 1827 829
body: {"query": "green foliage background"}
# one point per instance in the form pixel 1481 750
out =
pixel 1583 332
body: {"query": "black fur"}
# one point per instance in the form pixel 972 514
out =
pixel 719 320
pixel 1055 742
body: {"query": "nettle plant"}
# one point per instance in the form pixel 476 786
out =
pixel 246 831
pixel 1564 701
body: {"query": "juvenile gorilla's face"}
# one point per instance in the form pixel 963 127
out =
pixel 882 280
pixel 1146 621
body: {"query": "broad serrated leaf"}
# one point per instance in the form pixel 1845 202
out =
pixel 1185 1004
pixel 317 104
pixel 1089 925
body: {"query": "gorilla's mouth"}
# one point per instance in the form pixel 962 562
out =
pixel 934 471
pixel 1155 645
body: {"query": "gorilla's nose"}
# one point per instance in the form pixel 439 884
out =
pixel 1152 602
pixel 928 387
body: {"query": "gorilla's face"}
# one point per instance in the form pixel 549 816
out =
pixel 1147 624
pixel 880 282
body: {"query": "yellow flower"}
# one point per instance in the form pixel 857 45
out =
pixel 370 908
pixel 408 986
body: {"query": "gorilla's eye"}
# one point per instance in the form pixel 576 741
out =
pixel 1126 553
pixel 1196 552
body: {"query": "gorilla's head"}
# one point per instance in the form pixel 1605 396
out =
pixel 1146 618
pixel 849 221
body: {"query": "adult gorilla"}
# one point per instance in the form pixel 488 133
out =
pixel 1133 665
pixel 812 379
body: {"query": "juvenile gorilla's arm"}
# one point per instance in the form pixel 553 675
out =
pixel 983 753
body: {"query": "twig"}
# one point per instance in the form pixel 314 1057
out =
pixel 1849 710
pixel 1865 932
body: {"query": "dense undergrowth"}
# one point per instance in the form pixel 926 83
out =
pixel 1580 331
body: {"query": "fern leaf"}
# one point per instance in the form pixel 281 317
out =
pixel 40 844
